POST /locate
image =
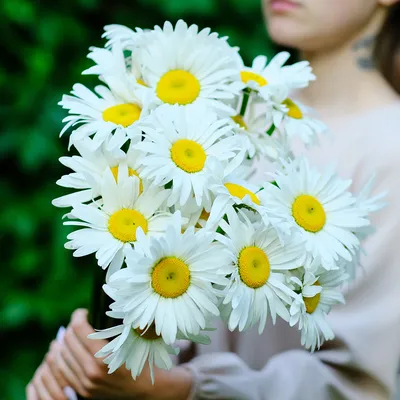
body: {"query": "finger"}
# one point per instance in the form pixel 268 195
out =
pixel 79 314
pixel 86 360
pixel 51 361
pixel 31 392
pixel 70 376
pixel 74 365
pixel 82 329
pixel 58 376
pixel 36 378
pixel 40 388
pixel 77 348
pixel 50 383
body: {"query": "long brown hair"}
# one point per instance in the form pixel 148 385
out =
pixel 387 47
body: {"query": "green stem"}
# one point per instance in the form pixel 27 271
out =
pixel 245 101
pixel 100 304
pixel 271 130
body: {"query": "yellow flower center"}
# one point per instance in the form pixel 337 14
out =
pixel 122 114
pixel 131 172
pixel 248 76
pixel 239 120
pixel 294 109
pixel 312 302
pixel 240 191
pixel 178 86
pixel 203 216
pixel 309 213
pixel 124 223
pixel 148 333
pixel 140 82
pixel 188 155
pixel 170 277
pixel 254 267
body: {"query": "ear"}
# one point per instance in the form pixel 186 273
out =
pixel 388 3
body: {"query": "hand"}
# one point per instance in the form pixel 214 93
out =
pixel 47 383
pixel 89 375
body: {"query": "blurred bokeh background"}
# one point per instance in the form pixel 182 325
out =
pixel 43 51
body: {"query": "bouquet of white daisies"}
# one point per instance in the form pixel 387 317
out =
pixel 163 194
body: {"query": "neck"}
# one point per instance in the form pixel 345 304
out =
pixel 347 81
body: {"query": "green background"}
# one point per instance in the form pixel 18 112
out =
pixel 43 51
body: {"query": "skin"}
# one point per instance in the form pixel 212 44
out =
pixel 73 364
pixel 319 24
pixel 337 38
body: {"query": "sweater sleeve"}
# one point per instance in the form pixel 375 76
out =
pixel 359 364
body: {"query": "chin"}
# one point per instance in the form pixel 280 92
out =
pixel 286 33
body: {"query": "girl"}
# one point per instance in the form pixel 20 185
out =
pixel 353 47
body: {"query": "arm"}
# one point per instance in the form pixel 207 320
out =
pixel 293 375
pixel 359 364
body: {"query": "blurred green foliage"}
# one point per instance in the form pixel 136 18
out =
pixel 43 51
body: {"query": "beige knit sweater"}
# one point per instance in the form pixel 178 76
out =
pixel 361 363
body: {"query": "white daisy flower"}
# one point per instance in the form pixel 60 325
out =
pixel 318 208
pixel 296 76
pixel 134 347
pixel 194 215
pixel 367 204
pixel 88 169
pixel 109 118
pixel 274 81
pixel 113 227
pixel 122 74
pixel 283 144
pixel 183 66
pixel 252 129
pixel 262 76
pixel 128 38
pixel 231 191
pixel 246 170
pixel 317 293
pixel 257 265
pixel 107 61
pixel 168 281
pixel 205 34
pixel 184 145
pixel 297 121
pixel 234 190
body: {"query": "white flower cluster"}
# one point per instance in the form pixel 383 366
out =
pixel 161 194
